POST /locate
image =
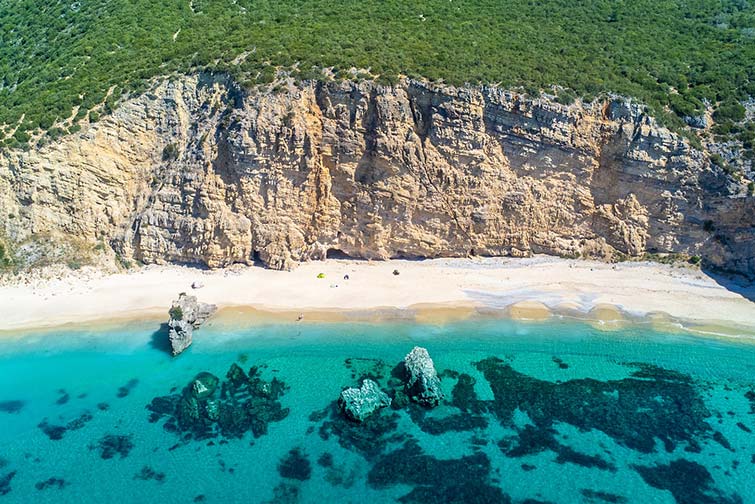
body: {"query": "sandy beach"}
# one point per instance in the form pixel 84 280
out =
pixel 432 290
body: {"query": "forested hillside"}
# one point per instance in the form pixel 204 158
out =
pixel 61 59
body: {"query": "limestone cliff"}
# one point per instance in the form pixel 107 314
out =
pixel 201 171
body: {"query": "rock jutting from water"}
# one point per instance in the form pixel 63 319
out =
pixel 423 384
pixel 359 403
pixel 206 407
pixel 186 314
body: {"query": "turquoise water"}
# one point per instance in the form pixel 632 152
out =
pixel 534 412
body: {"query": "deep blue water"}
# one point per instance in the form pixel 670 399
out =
pixel 551 412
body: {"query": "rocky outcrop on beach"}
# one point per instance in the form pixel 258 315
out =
pixel 186 314
pixel 199 170
pixel 359 403
pixel 422 382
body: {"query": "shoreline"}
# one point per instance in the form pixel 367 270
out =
pixel 431 291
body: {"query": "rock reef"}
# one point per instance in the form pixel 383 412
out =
pixel 199 170
pixel 423 384
pixel 186 314
pixel 359 403
pixel 208 407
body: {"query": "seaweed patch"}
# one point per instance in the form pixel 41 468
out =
pixel 600 496
pixel 369 438
pixel 361 368
pixel 435 425
pixel 12 406
pixel 56 432
pixel 147 473
pixel 652 403
pixel 126 389
pixel 295 465
pixel 54 483
pixel 113 444
pixel 64 397
pixel 5 481
pixel 689 482
pixel 466 479
pixel 560 363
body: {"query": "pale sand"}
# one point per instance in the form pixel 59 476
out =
pixel 428 291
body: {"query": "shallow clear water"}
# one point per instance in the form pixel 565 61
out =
pixel 568 414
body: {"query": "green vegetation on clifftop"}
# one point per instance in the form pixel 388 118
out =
pixel 57 57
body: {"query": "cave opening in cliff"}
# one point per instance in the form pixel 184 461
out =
pixel 335 253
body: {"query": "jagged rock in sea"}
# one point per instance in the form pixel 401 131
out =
pixel 208 407
pixel 359 403
pixel 186 314
pixel 371 171
pixel 423 384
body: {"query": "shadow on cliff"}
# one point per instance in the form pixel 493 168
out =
pixel 733 283
pixel 160 339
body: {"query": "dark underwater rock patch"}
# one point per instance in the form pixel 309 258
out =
pixel 3 463
pixel 363 368
pixel 532 440
pixel 295 465
pixel 459 422
pixel 54 432
pixel 600 496
pixel 12 406
pixel 64 397
pixel 147 474
pixel 750 396
pixel 568 455
pixel 560 363
pixel 126 389
pixel 206 408
pixel 464 397
pixel 5 481
pixel 285 493
pixel 652 403
pixel 51 483
pixel 689 482
pixel 325 460
pixel 369 438
pixel 721 439
pixel 466 479
pixel 80 421
pixel 744 427
pixel 114 444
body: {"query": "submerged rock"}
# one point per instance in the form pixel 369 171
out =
pixel 359 403
pixel 206 407
pixel 13 406
pixel 5 487
pixel 56 483
pixel 687 481
pixel 186 314
pixel 113 444
pixel 295 465
pixel 423 384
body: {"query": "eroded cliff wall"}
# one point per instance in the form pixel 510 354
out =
pixel 200 171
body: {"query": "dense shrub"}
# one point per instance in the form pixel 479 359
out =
pixel 57 54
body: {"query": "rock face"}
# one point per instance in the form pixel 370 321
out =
pixel 359 403
pixel 186 314
pixel 200 171
pixel 423 384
